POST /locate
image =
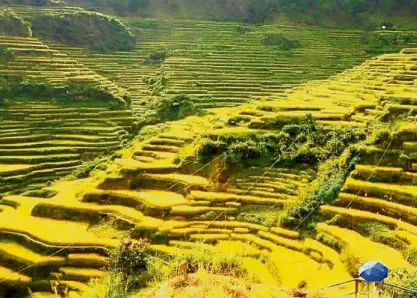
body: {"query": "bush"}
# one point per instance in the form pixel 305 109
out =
pixel 157 57
pixel 92 30
pixel 273 39
pixel 11 24
pixel 380 43
pixel 301 142
pixel 324 190
pixel 176 108
pixel 156 83
pixel 409 282
pixel 6 55
pixel 15 86
pixel 109 286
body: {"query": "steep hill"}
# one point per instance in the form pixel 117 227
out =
pixel 43 139
pixel 355 13
pixel 215 64
pixel 159 189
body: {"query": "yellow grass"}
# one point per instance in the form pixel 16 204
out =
pixel 367 169
pixel 361 250
pixel 258 272
pixel 195 210
pixel 225 197
pixel 54 232
pixel 398 210
pixel 12 278
pixel 281 241
pixel 81 273
pixel 294 268
pixel 4 168
pixel 381 188
pixel 354 214
pixel 204 284
pixel 179 178
pixel 120 211
pixel 18 252
pixel 153 198
pixel 86 259
pixel 285 233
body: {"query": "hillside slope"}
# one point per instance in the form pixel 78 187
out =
pixel 42 138
pixel 159 190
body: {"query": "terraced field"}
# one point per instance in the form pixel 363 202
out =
pixel 219 64
pixel 42 140
pixel 157 189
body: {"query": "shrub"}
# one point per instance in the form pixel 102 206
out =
pixel 324 190
pixel 176 107
pixel 15 86
pixel 208 259
pixel 235 120
pixel 157 57
pixel 156 83
pixel 6 55
pixel 109 286
pixel 380 43
pixel 409 282
pixel 301 142
pixel 92 30
pixel 379 233
pixel 11 24
pixel 243 29
pixel 273 39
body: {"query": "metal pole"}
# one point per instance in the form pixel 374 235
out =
pixel 356 288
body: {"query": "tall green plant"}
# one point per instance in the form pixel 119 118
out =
pixel 92 30
pixel 11 24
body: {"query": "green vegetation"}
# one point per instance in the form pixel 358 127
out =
pixel 157 57
pixel 378 42
pixel 273 39
pixel 324 189
pixel 176 108
pixel 127 267
pixel 133 266
pixel 6 55
pixel 327 12
pixel 11 24
pixel 301 142
pixel 95 31
pixel 12 87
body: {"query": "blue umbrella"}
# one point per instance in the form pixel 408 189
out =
pixel 373 272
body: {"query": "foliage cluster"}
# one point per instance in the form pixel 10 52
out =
pixel 277 39
pixel 176 108
pixel 157 57
pixel 133 266
pixel 92 30
pixel 376 42
pixel 325 189
pixel 255 11
pixel 11 24
pixel 6 55
pixel 128 268
pixel 12 87
pixel 302 142
pixel 157 83
pixel 261 215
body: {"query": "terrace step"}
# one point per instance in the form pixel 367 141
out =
pixel 80 274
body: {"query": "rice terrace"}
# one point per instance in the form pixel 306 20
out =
pixel 208 149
